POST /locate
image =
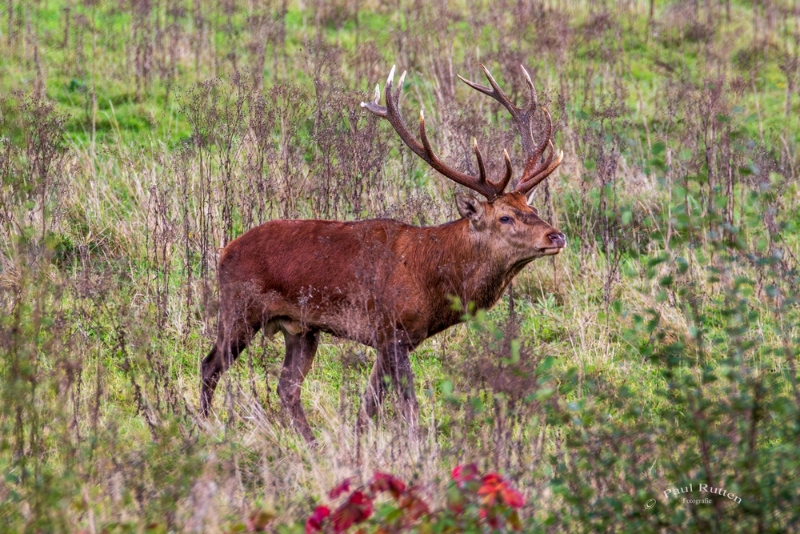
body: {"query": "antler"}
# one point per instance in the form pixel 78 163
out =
pixel 488 188
pixel 536 168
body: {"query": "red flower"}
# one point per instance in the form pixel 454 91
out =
pixel 512 497
pixel 385 482
pixel 357 509
pixel 343 487
pixel 314 523
pixel 465 473
pixel 492 484
pixel 495 486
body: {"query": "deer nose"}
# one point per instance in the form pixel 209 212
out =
pixel 558 239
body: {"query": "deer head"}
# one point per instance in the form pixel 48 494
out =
pixel 503 221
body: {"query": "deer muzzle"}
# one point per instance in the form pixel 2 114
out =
pixel 557 242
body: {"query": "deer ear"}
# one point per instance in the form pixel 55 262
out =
pixel 469 207
pixel 529 200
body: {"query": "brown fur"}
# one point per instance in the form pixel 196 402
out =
pixel 380 282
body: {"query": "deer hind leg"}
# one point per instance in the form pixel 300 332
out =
pixel 392 366
pixel 231 341
pixel 300 351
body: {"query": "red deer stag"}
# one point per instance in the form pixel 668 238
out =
pixel 382 282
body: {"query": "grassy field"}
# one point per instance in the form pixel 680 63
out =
pixel 658 351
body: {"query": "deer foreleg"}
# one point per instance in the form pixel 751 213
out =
pixel 391 367
pixel 300 352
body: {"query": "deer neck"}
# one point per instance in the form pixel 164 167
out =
pixel 468 267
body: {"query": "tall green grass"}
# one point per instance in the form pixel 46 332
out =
pixel 658 351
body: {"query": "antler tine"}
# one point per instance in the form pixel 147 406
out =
pixel 375 106
pixel 494 91
pixel 423 134
pixel 498 93
pixel 400 82
pixel 478 87
pixel 509 171
pixel 532 167
pixel 481 166
pixel 552 164
pixel 534 98
pixel 535 165
pixel 396 96
pixel 396 119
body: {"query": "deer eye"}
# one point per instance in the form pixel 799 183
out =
pixel 505 219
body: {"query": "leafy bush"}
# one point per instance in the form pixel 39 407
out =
pixel 473 503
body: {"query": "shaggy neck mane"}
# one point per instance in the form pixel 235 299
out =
pixel 465 266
